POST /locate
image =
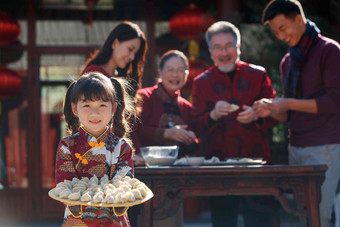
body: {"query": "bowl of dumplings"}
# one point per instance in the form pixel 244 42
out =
pixel 119 191
pixel 159 155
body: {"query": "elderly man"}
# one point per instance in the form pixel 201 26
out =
pixel 227 124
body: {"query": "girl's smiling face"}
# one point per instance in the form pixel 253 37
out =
pixel 125 52
pixel 94 116
pixel 173 74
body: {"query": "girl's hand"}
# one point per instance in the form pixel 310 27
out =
pixel 119 211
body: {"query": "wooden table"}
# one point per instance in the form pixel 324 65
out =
pixel 180 182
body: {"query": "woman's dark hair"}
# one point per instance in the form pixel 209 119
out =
pixel 95 86
pixel 289 8
pixel 123 32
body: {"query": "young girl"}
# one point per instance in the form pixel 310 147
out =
pixel 97 108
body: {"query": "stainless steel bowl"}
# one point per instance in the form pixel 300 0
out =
pixel 159 155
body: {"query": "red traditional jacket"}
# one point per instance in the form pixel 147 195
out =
pixel 227 137
pixel 161 110
pixel 83 155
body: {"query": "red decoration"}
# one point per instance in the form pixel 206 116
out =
pixel 9 29
pixel 190 23
pixel 90 6
pixel 196 67
pixel 10 82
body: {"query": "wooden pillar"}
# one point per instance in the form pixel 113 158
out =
pixel 33 118
pixel 150 66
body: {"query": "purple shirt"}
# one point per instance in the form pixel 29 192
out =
pixel 319 80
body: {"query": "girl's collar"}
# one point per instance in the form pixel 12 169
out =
pixel 89 138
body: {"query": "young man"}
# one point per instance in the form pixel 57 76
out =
pixel 311 103
pixel 227 124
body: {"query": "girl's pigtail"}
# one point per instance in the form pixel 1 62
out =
pixel 125 109
pixel 71 120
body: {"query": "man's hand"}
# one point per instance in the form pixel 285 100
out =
pixel 247 115
pixel 222 108
pixel 260 107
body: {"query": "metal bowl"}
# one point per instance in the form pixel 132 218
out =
pixel 159 155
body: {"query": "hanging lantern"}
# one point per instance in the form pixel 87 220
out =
pixel 196 67
pixel 190 23
pixel 10 83
pixel 9 29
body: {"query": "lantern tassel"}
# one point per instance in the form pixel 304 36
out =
pixel 193 49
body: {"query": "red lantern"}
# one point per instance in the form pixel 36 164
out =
pixel 10 82
pixel 9 29
pixel 196 67
pixel 190 23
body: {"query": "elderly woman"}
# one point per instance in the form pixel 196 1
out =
pixel 164 113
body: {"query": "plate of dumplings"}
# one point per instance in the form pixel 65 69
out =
pixel 118 192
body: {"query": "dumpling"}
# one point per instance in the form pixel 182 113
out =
pixel 96 188
pixel 139 184
pixel 126 178
pixel 105 178
pixel 133 181
pixel 60 189
pixel 74 196
pixel 117 183
pixel 61 184
pixel 109 199
pixel 83 183
pixel 75 180
pixel 94 179
pixel 108 191
pixel 117 177
pixel 125 187
pixel 65 193
pixel 143 191
pixel 129 197
pixel 118 190
pixel 86 197
pixel 137 194
pixel 86 179
pixel 89 191
pixel 119 198
pixel 68 183
pixel 78 190
pixel 81 186
pixel 97 198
